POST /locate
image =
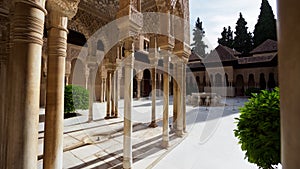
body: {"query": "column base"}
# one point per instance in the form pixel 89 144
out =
pixel 165 144
pixel 127 163
pixel 179 133
pixel 153 125
pixel 115 116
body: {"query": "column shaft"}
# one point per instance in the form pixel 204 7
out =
pixel 113 95
pixel 116 94
pixel 179 122
pixel 153 115
pixel 175 98
pixel 57 46
pixel 127 149
pixel 91 85
pixel 165 142
pixel 108 94
pixel 138 95
pixel 184 97
pixel 23 85
pixel 289 82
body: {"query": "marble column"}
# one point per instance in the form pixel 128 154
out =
pixel 113 95
pixel 179 122
pixel 91 86
pixel 138 95
pixel 175 98
pixel 116 94
pixel 184 96
pixel 108 95
pixel 57 45
pixel 289 82
pixel 23 85
pixel 153 105
pixel 165 135
pixel 127 142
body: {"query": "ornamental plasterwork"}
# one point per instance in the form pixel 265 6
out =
pixel 104 9
pixel 86 23
pixel 66 7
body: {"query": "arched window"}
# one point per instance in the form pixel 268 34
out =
pixel 218 80
pixel 262 81
pixel 251 81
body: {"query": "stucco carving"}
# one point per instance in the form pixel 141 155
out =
pixel 66 7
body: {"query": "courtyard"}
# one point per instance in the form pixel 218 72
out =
pixel 208 143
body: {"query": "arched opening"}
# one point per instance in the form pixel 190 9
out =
pixel 218 80
pixel 226 80
pixel 262 81
pixel 239 85
pixel 76 38
pixel 211 80
pixel 198 81
pixel 251 81
pixel 271 81
pixel 204 80
pixel 77 76
pixel 146 83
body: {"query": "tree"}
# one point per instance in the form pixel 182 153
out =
pixel 258 129
pixel 198 32
pixel 243 39
pixel 265 27
pixel 227 37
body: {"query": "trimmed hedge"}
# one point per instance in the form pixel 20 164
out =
pixel 76 97
pixel 258 129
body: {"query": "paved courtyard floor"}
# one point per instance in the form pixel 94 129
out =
pixel 208 144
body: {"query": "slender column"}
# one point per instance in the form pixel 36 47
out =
pixel 179 130
pixel 108 94
pixel 87 75
pixel 92 74
pixel 165 139
pixel 57 41
pixel 113 95
pixel 184 97
pixel 100 91
pixel 116 94
pixel 127 142
pixel 104 89
pixel 23 85
pixel 289 82
pixel 175 98
pixel 153 115
pixel 138 88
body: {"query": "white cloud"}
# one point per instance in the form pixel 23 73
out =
pixel 216 14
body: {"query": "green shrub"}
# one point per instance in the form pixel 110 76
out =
pixel 76 97
pixel 252 90
pixel 258 129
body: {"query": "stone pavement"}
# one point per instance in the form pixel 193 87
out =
pixel 99 144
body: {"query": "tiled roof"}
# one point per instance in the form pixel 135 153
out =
pixel 267 46
pixel 221 53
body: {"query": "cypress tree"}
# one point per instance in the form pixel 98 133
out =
pixel 243 39
pixel 198 34
pixel 265 27
pixel 226 37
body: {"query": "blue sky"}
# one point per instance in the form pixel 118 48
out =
pixel 216 14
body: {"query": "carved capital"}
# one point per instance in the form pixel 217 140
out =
pixel 67 8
